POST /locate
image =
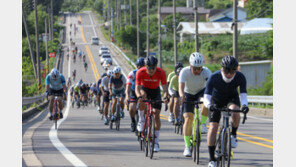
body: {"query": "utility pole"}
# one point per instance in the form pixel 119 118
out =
pixel 46 46
pixel 37 46
pixel 147 41
pixel 52 36
pixel 112 32
pixel 234 23
pixel 196 24
pixel 138 30
pixel 29 43
pixel 119 9
pixel 125 21
pixel 159 35
pixel 108 10
pixel 116 7
pixel 175 37
pixel 49 25
pixel 130 8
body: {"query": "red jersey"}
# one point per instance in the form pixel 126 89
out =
pixel 150 82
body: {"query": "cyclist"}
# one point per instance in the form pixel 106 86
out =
pixel 55 84
pixel 192 81
pixel 116 88
pixel 68 56
pixel 83 93
pixel 172 105
pixel 221 91
pixel 76 92
pixel 69 82
pixel 174 85
pixel 80 54
pixel 76 49
pixel 94 92
pixel 99 90
pixel 84 58
pixel 147 86
pixel 105 90
pixel 74 58
pixel 74 74
pixel 72 91
pixel 130 92
pixel 85 66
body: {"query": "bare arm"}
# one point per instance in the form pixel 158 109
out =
pixel 165 90
pixel 181 91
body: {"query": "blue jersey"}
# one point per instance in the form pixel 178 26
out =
pixel 220 90
pixel 55 84
pixel 117 83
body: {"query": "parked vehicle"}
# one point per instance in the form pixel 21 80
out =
pixel 94 40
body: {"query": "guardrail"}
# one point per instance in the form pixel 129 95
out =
pixel 260 99
pixel 123 55
pixel 34 99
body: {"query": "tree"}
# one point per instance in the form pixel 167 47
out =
pixel 259 8
pixel 168 21
pixel 218 4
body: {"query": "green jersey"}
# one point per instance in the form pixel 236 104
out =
pixel 76 89
pixel 174 84
pixel 170 76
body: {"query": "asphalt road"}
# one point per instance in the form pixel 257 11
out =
pixel 83 140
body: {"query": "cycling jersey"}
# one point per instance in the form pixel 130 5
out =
pixel 85 64
pixel 83 90
pixel 218 89
pixel 55 84
pixel 94 90
pixel 76 89
pixel 174 84
pixel 104 84
pixel 151 82
pixel 131 79
pixel 170 76
pixel 194 83
pixel 118 83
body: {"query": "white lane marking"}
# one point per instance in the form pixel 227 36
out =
pixel 92 24
pixel 53 136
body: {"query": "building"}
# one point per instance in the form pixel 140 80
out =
pixel 242 3
pixel 257 25
pixel 187 29
pixel 226 15
pixel 187 12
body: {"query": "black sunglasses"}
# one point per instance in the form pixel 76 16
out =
pixel 196 68
pixel 229 71
pixel 151 67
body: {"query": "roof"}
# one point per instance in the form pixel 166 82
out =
pixel 220 13
pixel 257 25
pixel 184 10
pixel 207 27
pixel 215 11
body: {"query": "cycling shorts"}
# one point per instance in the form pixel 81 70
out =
pixel 53 92
pixel 189 97
pixel 120 93
pixel 175 93
pixel 216 116
pixel 133 95
pixel 106 98
pixel 153 94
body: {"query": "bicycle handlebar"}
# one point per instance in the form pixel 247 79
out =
pixel 238 111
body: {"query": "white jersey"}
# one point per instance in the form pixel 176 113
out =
pixel 105 82
pixel 194 84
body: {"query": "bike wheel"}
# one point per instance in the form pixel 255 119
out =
pixel 218 150
pixel 117 116
pixel 151 139
pixel 198 140
pixel 56 117
pixel 226 148
pixel 146 133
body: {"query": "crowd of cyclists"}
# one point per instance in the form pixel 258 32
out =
pixel 194 82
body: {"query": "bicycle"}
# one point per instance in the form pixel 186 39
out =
pixel 117 114
pixel 147 137
pixel 55 108
pixel 85 66
pixel 223 143
pixel 179 126
pixel 195 139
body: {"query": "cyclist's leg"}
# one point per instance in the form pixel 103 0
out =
pixel 50 106
pixel 171 104
pixel 113 107
pixel 176 107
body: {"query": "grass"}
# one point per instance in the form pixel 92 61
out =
pixel 264 106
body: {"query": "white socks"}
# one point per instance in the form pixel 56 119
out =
pixel 156 136
pixel 141 116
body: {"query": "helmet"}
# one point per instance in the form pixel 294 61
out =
pixel 83 85
pixel 117 69
pixel 179 64
pixel 94 84
pixel 229 62
pixel 178 70
pixel 140 62
pixel 196 59
pixel 151 61
pixel 110 73
pixel 54 74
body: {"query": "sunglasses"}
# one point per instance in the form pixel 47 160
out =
pixel 151 67
pixel 229 71
pixel 196 68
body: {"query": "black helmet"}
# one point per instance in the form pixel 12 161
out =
pixel 151 61
pixel 179 64
pixel 229 62
pixel 140 62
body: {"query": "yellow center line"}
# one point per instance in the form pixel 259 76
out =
pixel 89 54
pixel 242 134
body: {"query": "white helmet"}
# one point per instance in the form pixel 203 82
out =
pixel 54 74
pixel 117 69
pixel 196 59
pixel 110 73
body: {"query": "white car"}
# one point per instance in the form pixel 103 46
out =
pixel 94 40
pixel 103 49
pixel 105 57
pixel 105 52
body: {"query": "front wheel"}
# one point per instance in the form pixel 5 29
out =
pixel 226 148
pixel 151 139
pixel 198 140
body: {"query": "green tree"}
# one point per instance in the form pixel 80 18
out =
pixel 259 8
pixel 218 4
pixel 168 21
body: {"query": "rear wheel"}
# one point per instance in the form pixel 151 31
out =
pixel 198 140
